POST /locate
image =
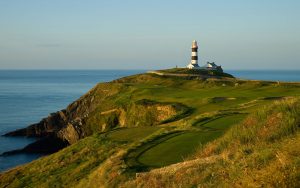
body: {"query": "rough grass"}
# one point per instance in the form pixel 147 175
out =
pixel 261 151
pixel 131 134
pixel 64 168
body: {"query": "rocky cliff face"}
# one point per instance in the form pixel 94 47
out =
pixel 96 111
pixel 47 126
pixel 140 113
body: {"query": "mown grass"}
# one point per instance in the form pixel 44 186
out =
pixel 220 122
pixel 263 150
pixel 131 158
pixel 175 148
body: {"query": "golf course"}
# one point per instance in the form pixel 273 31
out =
pixel 133 131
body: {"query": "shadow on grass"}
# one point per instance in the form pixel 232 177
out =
pixel 187 111
pixel 131 159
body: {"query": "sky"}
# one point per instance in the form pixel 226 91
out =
pixel 154 34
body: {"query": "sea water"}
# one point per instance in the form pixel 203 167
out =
pixel 268 75
pixel 27 96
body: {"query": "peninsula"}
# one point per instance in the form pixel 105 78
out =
pixel 182 127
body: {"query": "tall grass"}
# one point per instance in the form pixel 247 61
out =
pixel 261 151
pixel 268 124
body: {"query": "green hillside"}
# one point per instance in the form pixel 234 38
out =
pixel 262 151
pixel 143 122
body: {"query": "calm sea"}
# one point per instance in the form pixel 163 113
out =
pixel 274 75
pixel 27 96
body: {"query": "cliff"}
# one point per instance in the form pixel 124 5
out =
pixel 99 110
pixel 132 131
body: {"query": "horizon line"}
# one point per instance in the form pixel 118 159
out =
pixel 110 69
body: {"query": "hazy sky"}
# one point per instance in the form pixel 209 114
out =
pixel 148 34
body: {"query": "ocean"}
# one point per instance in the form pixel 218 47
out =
pixel 274 75
pixel 26 96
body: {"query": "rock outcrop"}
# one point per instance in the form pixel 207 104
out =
pixel 47 126
pixel 96 111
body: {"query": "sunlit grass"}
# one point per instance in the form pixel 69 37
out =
pixel 198 113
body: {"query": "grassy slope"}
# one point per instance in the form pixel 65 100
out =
pixel 74 163
pixel 131 134
pixel 179 147
pixel 63 168
pixel 263 150
pixel 96 159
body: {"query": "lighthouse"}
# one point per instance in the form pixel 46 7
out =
pixel 194 59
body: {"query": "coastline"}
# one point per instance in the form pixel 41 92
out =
pixel 20 150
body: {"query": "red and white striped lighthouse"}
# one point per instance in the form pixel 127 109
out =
pixel 194 58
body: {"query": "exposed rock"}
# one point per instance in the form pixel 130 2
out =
pixel 69 133
pixel 122 118
pixel 95 112
pixel 47 126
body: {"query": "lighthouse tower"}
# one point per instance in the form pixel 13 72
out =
pixel 194 59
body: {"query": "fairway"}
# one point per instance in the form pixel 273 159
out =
pixel 176 148
pixel 222 123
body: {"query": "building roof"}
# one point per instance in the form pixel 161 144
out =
pixel 210 65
